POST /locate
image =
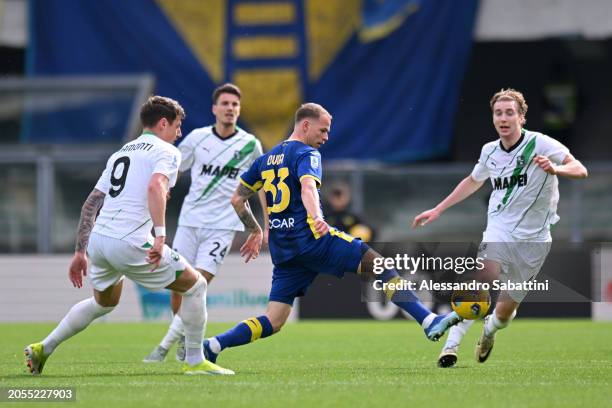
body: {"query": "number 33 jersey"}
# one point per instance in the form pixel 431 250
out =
pixel 279 172
pixel 125 181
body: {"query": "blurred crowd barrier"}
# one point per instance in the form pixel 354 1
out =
pixel 44 187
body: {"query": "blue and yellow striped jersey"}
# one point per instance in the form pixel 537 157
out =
pixel 279 173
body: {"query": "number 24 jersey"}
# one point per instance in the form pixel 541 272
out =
pixel 125 181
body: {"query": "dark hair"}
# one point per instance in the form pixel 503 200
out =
pixel 158 107
pixel 226 88
pixel 310 110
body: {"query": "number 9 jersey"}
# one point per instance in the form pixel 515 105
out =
pixel 125 181
pixel 279 172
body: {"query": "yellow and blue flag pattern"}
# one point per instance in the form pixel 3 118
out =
pixel 389 71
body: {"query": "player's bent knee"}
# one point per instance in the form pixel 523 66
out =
pixel 506 311
pixel 490 272
pixel 109 297
pixel 207 275
pixel 106 302
pixel 505 315
pixel 198 289
pixel 185 281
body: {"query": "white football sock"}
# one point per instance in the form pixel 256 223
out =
pixel 428 320
pixel 193 315
pixel 214 345
pixel 494 324
pixel 175 331
pixel 456 333
pixel 77 319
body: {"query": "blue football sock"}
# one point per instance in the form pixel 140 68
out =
pixel 404 298
pixel 245 332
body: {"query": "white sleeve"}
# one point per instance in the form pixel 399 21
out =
pixel 258 150
pixel 481 172
pixel 553 149
pixel 167 163
pixel 103 183
pixel 186 148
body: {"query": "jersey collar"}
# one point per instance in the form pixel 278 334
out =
pixel 224 138
pixel 514 146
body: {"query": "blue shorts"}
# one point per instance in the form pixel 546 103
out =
pixel 332 255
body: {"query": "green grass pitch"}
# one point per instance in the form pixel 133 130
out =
pixel 534 363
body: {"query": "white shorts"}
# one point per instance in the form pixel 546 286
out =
pixel 520 261
pixel 204 248
pixel 111 259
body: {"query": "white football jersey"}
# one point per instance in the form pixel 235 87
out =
pixel 125 180
pixel 524 198
pixel 216 165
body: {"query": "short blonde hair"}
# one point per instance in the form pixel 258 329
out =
pixel 511 95
pixel 311 111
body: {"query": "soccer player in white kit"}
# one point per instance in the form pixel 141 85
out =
pixel 131 196
pixel 216 156
pixel 523 167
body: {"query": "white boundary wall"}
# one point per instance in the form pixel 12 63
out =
pixel 35 288
pixel 603 262
pixel 529 20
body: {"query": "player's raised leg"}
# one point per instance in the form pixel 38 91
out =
pixel 434 326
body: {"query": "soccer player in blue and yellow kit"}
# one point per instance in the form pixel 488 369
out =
pixel 302 244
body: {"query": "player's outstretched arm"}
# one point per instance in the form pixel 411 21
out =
pixel 570 167
pixel 240 202
pixel 310 199
pixel 464 189
pixel 78 265
pixel 156 196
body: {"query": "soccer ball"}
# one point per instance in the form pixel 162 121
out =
pixel 471 304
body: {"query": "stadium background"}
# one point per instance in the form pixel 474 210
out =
pixel 408 84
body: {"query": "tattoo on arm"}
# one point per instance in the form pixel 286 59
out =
pixel 244 211
pixel 244 192
pixel 88 216
pixel 246 216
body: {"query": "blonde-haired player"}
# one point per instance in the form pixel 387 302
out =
pixel 523 167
